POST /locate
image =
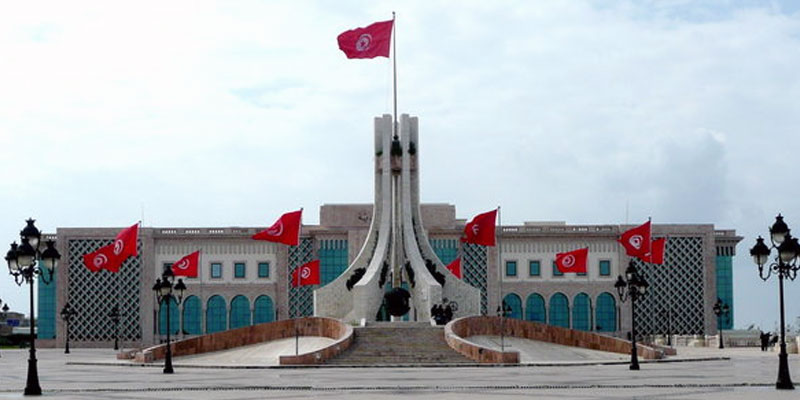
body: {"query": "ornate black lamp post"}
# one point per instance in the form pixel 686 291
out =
pixel 166 290
pixel 633 286
pixel 115 316
pixel 67 314
pixel 25 263
pixel 503 312
pixel 785 265
pixel 720 309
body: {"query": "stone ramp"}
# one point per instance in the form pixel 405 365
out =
pixel 399 343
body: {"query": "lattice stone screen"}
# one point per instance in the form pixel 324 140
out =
pixel 93 294
pixel 677 284
pixel 301 298
pixel 473 268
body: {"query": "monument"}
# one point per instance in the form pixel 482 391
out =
pixel 396 267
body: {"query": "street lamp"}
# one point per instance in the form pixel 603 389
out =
pixel 25 263
pixel 785 265
pixel 165 290
pixel 503 312
pixel 115 316
pixel 721 308
pixel 67 314
pixel 633 286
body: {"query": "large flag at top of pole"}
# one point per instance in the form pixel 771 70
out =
pixel 285 230
pixel 368 42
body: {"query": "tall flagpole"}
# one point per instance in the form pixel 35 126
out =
pixel 394 73
pixel 501 306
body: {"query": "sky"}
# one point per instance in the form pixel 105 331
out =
pixel 197 113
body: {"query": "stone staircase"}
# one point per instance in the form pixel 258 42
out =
pixel 399 343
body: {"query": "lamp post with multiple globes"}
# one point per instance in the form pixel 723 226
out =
pixel 633 287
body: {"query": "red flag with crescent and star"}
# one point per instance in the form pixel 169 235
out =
pixel 187 266
pixel 573 261
pixel 306 274
pixel 125 244
pixel 369 42
pixel 285 230
pixel 636 241
pixel 481 229
pixel 455 267
pixel 102 258
pixel 656 254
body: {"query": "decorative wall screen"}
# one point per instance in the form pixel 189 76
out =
pixel 93 294
pixel 473 269
pixel 301 298
pixel 677 288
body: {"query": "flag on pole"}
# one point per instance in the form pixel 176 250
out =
pixel 636 241
pixel 187 266
pixel 656 254
pixel 285 230
pixel 369 42
pixel 102 258
pixel 455 267
pixel 573 261
pixel 125 244
pixel 481 229
pixel 306 274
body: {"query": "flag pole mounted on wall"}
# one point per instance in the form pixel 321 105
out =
pixel 394 74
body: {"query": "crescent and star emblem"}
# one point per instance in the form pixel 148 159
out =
pixel 276 230
pixel 636 241
pixel 100 260
pixel 475 229
pixel 182 265
pixel 118 246
pixel 305 272
pixel 363 42
pixel 568 261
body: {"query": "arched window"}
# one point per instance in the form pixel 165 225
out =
pixel 581 312
pixel 192 325
pixel 534 308
pixel 513 301
pixel 216 315
pixel 606 313
pixel 240 312
pixel 174 317
pixel 263 310
pixel 559 310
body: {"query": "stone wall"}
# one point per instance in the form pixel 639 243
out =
pixel 458 330
pixel 310 326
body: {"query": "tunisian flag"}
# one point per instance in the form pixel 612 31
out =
pixel 187 266
pixel 636 241
pixel 125 242
pixel 656 254
pixel 455 267
pixel 285 230
pixel 572 261
pixel 102 258
pixel 370 42
pixel 306 274
pixel 481 229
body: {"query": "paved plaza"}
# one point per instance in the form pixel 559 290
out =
pixel 697 373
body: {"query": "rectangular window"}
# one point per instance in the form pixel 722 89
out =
pixel 263 270
pixel 534 269
pixel 216 270
pixel 556 272
pixel 166 267
pixel 511 268
pixel 239 270
pixel 605 268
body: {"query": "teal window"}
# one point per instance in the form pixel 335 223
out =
pixel 240 312
pixel 559 310
pixel 263 270
pixel 216 270
pixel 46 314
pixel 724 265
pixel 445 249
pixel 166 267
pixel 332 259
pixel 605 268
pixel 581 312
pixel 216 315
pixel 174 317
pixel 515 304
pixel 511 268
pixel 239 270
pixel 263 311
pixel 191 316
pixel 534 308
pixel 606 313
pixel 556 272
pixel 534 268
